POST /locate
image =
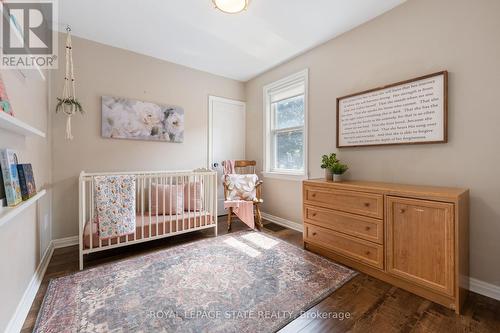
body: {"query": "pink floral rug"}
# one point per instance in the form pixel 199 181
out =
pixel 241 282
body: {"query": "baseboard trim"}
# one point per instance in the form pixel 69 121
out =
pixel 64 242
pixel 16 323
pixel 484 288
pixel 283 222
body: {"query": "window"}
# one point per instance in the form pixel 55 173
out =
pixel 286 127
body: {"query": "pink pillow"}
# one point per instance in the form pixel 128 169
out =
pixel 193 196
pixel 177 199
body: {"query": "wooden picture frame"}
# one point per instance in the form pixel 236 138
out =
pixel 441 119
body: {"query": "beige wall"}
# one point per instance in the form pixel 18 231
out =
pixel 416 38
pixel 24 239
pixel 104 70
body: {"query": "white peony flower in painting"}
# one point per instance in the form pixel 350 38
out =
pixel 130 119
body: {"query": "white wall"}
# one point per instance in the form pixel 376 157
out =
pixel 416 38
pixel 24 239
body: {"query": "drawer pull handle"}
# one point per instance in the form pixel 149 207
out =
pixel 314 214
pixel 367 253
pixel 313 195
pixel 402 211
pixel 367 228
pixel 367 204
pixel 314 233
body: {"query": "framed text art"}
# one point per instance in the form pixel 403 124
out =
pixel 409 112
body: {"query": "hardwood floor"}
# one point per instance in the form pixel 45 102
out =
pixel 373 305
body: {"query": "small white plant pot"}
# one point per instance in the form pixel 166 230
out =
pixel 337 178
pixel 69 109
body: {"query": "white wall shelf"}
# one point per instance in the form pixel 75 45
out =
pixel 14 125
pixel 8 213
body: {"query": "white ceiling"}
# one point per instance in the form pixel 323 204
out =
pixel 194 34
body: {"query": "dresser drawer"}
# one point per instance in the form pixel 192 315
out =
pixel 359 226
pixel 361 203
pixel 355 248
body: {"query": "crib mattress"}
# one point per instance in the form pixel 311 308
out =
pixel 166 224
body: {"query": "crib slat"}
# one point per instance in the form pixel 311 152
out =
pixel 205 208
pixel 192 210
pixel 176 201
pixel 157 206
pixel 93 207
pixel 149 203
pixel 209 202
pixel 81 221
pixel 189 202
pixel 197 222
pixel 211 207
pixel 206 197
pixel 195 201
pixel 142 207
pixel 199 203
pixel 183 218
pixel 164 181
pixel 170 198
pixel 84 211
pixel 91 220
pixel 213 189
pixel 214 200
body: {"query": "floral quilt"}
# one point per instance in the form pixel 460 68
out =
pixel 115 205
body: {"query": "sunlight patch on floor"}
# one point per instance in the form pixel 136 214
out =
pixel 260 240
pixel 242 247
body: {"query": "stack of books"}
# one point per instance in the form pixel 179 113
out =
pixel 16 180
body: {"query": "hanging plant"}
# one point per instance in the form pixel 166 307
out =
pixel 73 105
pixel 68 103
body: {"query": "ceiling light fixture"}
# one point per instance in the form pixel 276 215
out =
pixel 231 6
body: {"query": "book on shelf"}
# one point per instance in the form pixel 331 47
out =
pixel 26 181
pixel 8 162
pixel 3 201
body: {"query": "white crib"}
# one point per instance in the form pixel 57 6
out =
pixel 150 226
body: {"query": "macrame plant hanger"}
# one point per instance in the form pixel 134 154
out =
pixel 68 104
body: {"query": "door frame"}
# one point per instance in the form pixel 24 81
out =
pixel 211 100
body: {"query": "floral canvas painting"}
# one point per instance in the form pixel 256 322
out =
pixel 124 118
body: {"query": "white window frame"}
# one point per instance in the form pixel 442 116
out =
pixel 267 90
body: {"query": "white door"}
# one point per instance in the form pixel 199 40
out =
pixel 226 137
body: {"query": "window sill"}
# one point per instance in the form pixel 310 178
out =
pixel 285 176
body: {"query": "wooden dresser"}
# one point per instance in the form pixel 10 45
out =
pixel 414 237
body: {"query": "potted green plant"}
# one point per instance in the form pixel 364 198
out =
pixel 327 163
pixel 69 105
pixel 338 169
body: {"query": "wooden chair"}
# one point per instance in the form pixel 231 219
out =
pixel 247 167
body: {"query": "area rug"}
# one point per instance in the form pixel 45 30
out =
pixel 241 282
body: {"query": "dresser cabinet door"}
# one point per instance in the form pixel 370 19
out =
pixel 420 242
